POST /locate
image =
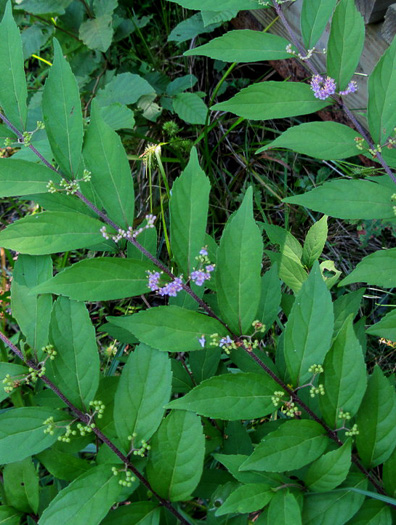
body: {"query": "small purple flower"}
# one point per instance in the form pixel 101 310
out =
pixel 153 280
pixel 198 277
pixel 210 268
pixel 202 340
pixel 204 251
pixel 351 88
pixel 323 88
pixel 224 341
pixel 171 288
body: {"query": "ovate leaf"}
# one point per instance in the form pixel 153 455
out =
pixel 376 421
pixel 247 498
pixel 238 268
pixel 21 485
pixel 294 444
pixel 142 393
pixel 176 458
pixel 136 513
pixel 86 500
pixel 62 114
pixel 22 432
pixel 32 313
pixel 348 199
pixel 386 327
pixel 125 88
pixel 97 33
pixel 330 470
pixel 221 5
pixel 344 375
pixel 243 46
pixel 309 328
pixel 51 232
pixel 315 242
pixel 170 328
pixel 284 509
pixel 377 269
pixel 190 108
pixel 20 177
pixel 188 214
pixel 42 7
pixel 270 100
pixel 372 512
pixel 270 298
pixel 382 96
pixel 13 90
pixel 75 369
pixel 99 279
pixel 231 397
pixel 321 140
pixel 105 157
pixel 345 43
pixel 314 17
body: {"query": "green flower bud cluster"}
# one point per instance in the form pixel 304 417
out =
pixel 27 137
pixel 353 431
pixel 66 436
pixel 344 415
pixel 35 374
pixel 50 426
pixel 316 369
pixel 290 409
pixel 10 383
pixel 85 429
pixel 86 176
pixel 317 390
pixel 144 446
pixel 50 350
pixel 258 326
pixel 277 398
pixel 70 187
pixel 129 478
pixel 98 407
pixel 8 142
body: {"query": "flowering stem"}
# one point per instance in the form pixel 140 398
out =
pixel 86 419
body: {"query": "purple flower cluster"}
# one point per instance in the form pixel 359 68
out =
pixel 200 276
pixel 323 88
pixel 224 341
pixel 170 289
pixel 351 88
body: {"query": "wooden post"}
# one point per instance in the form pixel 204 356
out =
pixel 388 29
pixel 373 10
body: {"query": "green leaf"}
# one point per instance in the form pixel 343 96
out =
pixel 181 84
pixel 372 512
pixel 344 306
pixel 63 465
pixel 86 500
pixel 247 498
pixel 321 140
pixel 348 199
pixel 221 5
pixel 125 88
pixel 43 7
pixel 142 393
pixel 315 242
pixel 118 116
pixel 243 46
pixel 232 462
pixel 346 41
pixel 284 509
pixel 104 7
pixel 21 485
pixel 344 376
pixel 136 513
pixel 204 364
pixel 13 90
pixel 32 313
pixel 170 328
pixel 376 421
pixel 288 244
pixel 314 17
pixel 190 28
pixel 176 457
pixel 334 508
pixel 9 516
pixel 75 369
pixel 329 471
pixel 382 96
pixel 231 397
pixel 106 158
pixel 309 328
pixel 270 100
pixel 62 114
pixel 377 269
pixel 270 298
pixel 215 17
pixel 97 33
pixel 51 232
pixel 190 108
pixel 293 445
pixel 389 474
pixel 22 432
pixel 385 328
pixel 238 268
pixel 99 279
pixel 20 177
pixel 188 214
pixel 14 371
pixel 291 271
